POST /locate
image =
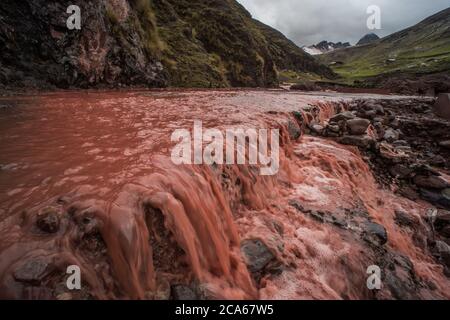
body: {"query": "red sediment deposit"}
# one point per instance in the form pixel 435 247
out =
pixel 87 179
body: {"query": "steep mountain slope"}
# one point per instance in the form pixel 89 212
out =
pixel 217 43
pixel 117 44
pixel 196 43
pixel 421 49
pixel 288 56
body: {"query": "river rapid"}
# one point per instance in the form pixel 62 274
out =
pixel 140 226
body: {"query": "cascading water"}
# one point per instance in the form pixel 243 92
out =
pixel 137 224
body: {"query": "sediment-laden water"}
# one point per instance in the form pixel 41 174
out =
pixel 87 179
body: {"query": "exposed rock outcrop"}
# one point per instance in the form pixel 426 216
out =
pixel 405 144
pixel 403 138
pixel 117 44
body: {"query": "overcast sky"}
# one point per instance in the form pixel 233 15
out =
pixel 307 22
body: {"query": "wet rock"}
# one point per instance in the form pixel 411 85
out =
pixel 163 289
pixel 433 182
pixel 437 160
pixel 442 106
pixel 370 114
pixel 32 271
pixel 389 152
pixel 380 120
pixel 297 205
pixel 445 231
pixel 278 226
pixel 346 115
pixel 391 135
pixel 375 233
pixel 275 268
pixel 379 129
pixel 400 171
pixel 318 216
pixel 441 251
pixel 379 109
pixel 404 262
pixel 363 141
pixel 400 278
pixel 447 272
pixel 441 198
pixel 49 220
pixel 333 128
pixel 442 223
pixel 338 222
pixel 400 143
pixel 404 219
pixel 403 148
pixel 297 114
pixel 183 293
pixel 446 193
pixel 409 193
pixel 358 126
pixel 294 130
pixel 419 108
pixel 395 123
pixel 317 128
pixel 64 296
pixel 257 254
pixel 427 170
pixel 332 134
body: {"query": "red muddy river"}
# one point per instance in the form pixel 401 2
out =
pixel 136 224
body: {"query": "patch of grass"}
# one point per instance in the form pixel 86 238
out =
pixel 111 16
pixel 291 76
pixel 148 27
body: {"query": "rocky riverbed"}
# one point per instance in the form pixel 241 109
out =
pixel 408 149
pixel 406 144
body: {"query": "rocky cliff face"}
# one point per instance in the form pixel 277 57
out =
pixel 117 44
pixel 196 43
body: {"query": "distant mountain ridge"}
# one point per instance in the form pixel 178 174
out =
pixel 368 38
pixel 324 47
pixel 327 46
pixel 419 54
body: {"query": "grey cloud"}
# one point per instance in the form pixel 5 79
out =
pixel 310 21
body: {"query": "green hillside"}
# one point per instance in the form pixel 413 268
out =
pixel 217 43
pixel 421 49
pixel 154 43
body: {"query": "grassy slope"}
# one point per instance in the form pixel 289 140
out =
pixel 421 49
pixel 290 60
pixel 216 43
